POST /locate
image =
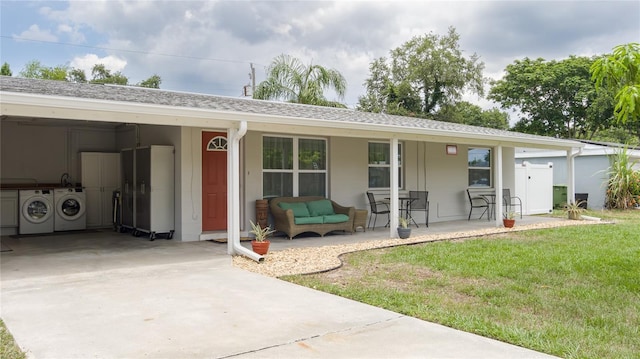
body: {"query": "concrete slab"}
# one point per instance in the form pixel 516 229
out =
pixel 165 299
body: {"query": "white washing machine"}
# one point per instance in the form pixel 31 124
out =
pixel 70 208
pixel 36 211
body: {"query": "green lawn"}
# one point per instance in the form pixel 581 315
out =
pixel 8 348
pixel 573 292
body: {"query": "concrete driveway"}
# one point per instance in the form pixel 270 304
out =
pixel 105 295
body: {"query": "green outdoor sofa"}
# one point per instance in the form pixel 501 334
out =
pixel 295 215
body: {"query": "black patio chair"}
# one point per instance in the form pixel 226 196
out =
pixel 511 201
pixel 478 202
pixel 420 203
pixel 375 211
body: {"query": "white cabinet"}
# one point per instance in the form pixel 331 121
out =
pixel 100 173
pixel 8 211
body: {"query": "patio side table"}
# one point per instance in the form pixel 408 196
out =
pixel 360 220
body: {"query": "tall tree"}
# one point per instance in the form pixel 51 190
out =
pixel 619 72
pixel 77 76
pixel 291 80
pixel 6 70
pixel 470 114
pixel 152 82
pixel 35 70
pixel 101 75
pixel 556 98
pixel 421 76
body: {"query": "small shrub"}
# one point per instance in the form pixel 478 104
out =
pixel 623 187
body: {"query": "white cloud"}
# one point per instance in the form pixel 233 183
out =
pixel 87 62
pixel 206 46
pixel 35 33
pixel 74 35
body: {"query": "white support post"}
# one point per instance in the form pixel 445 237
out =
pixel 498 185
pixel 571 177
pixel 393 202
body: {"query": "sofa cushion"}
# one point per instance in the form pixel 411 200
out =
pixel 299 208
pixel 322 207
pixel 335 218
pixel 308 220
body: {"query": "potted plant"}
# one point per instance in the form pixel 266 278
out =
pixel 574 209
pixel 404 231
pixel 260 244
pixel 509 219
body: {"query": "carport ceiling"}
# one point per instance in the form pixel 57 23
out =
pixel 38 121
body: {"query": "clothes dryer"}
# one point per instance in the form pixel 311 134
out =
pixel 36 211
pixel 70 209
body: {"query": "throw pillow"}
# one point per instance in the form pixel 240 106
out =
pixel 299 208
pixel 321 207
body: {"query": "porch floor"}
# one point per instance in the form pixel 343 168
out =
pixel 382 233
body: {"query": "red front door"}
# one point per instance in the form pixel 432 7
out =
pixel 214 181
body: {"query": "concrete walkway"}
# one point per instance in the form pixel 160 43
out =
pixel 165 299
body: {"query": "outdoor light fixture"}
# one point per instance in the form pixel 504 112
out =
pixel 452 149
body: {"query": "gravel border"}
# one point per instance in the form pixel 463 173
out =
pixel 325 258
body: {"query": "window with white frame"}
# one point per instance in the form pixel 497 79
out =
pixel 380 165
pixel 479 167
pixel 284 176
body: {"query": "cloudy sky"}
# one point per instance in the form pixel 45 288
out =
pixel 208 46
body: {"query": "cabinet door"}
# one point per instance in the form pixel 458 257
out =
pixel 90 177
pixel 90 167
pixel 100 177
pixel 143 188
pixel 127 188
pixel 110 179
pixel 110 170
pixel 9 209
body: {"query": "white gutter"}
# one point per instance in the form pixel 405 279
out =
pixel 21 104
pixel 571 174
pixel 233 200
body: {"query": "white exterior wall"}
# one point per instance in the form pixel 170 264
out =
pixel 509 168
pixel 425 166
pixel 44 152
pixel 348 177
pixel 447 181
pixel 189 185
pixel 251 165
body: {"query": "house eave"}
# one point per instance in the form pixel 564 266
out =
pixel 71 108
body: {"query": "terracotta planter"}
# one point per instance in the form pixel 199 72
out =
pixel 404 233
pixel 508 223
pixel 260 247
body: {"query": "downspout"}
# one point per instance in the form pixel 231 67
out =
pixel 571 185
pixel 233 201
